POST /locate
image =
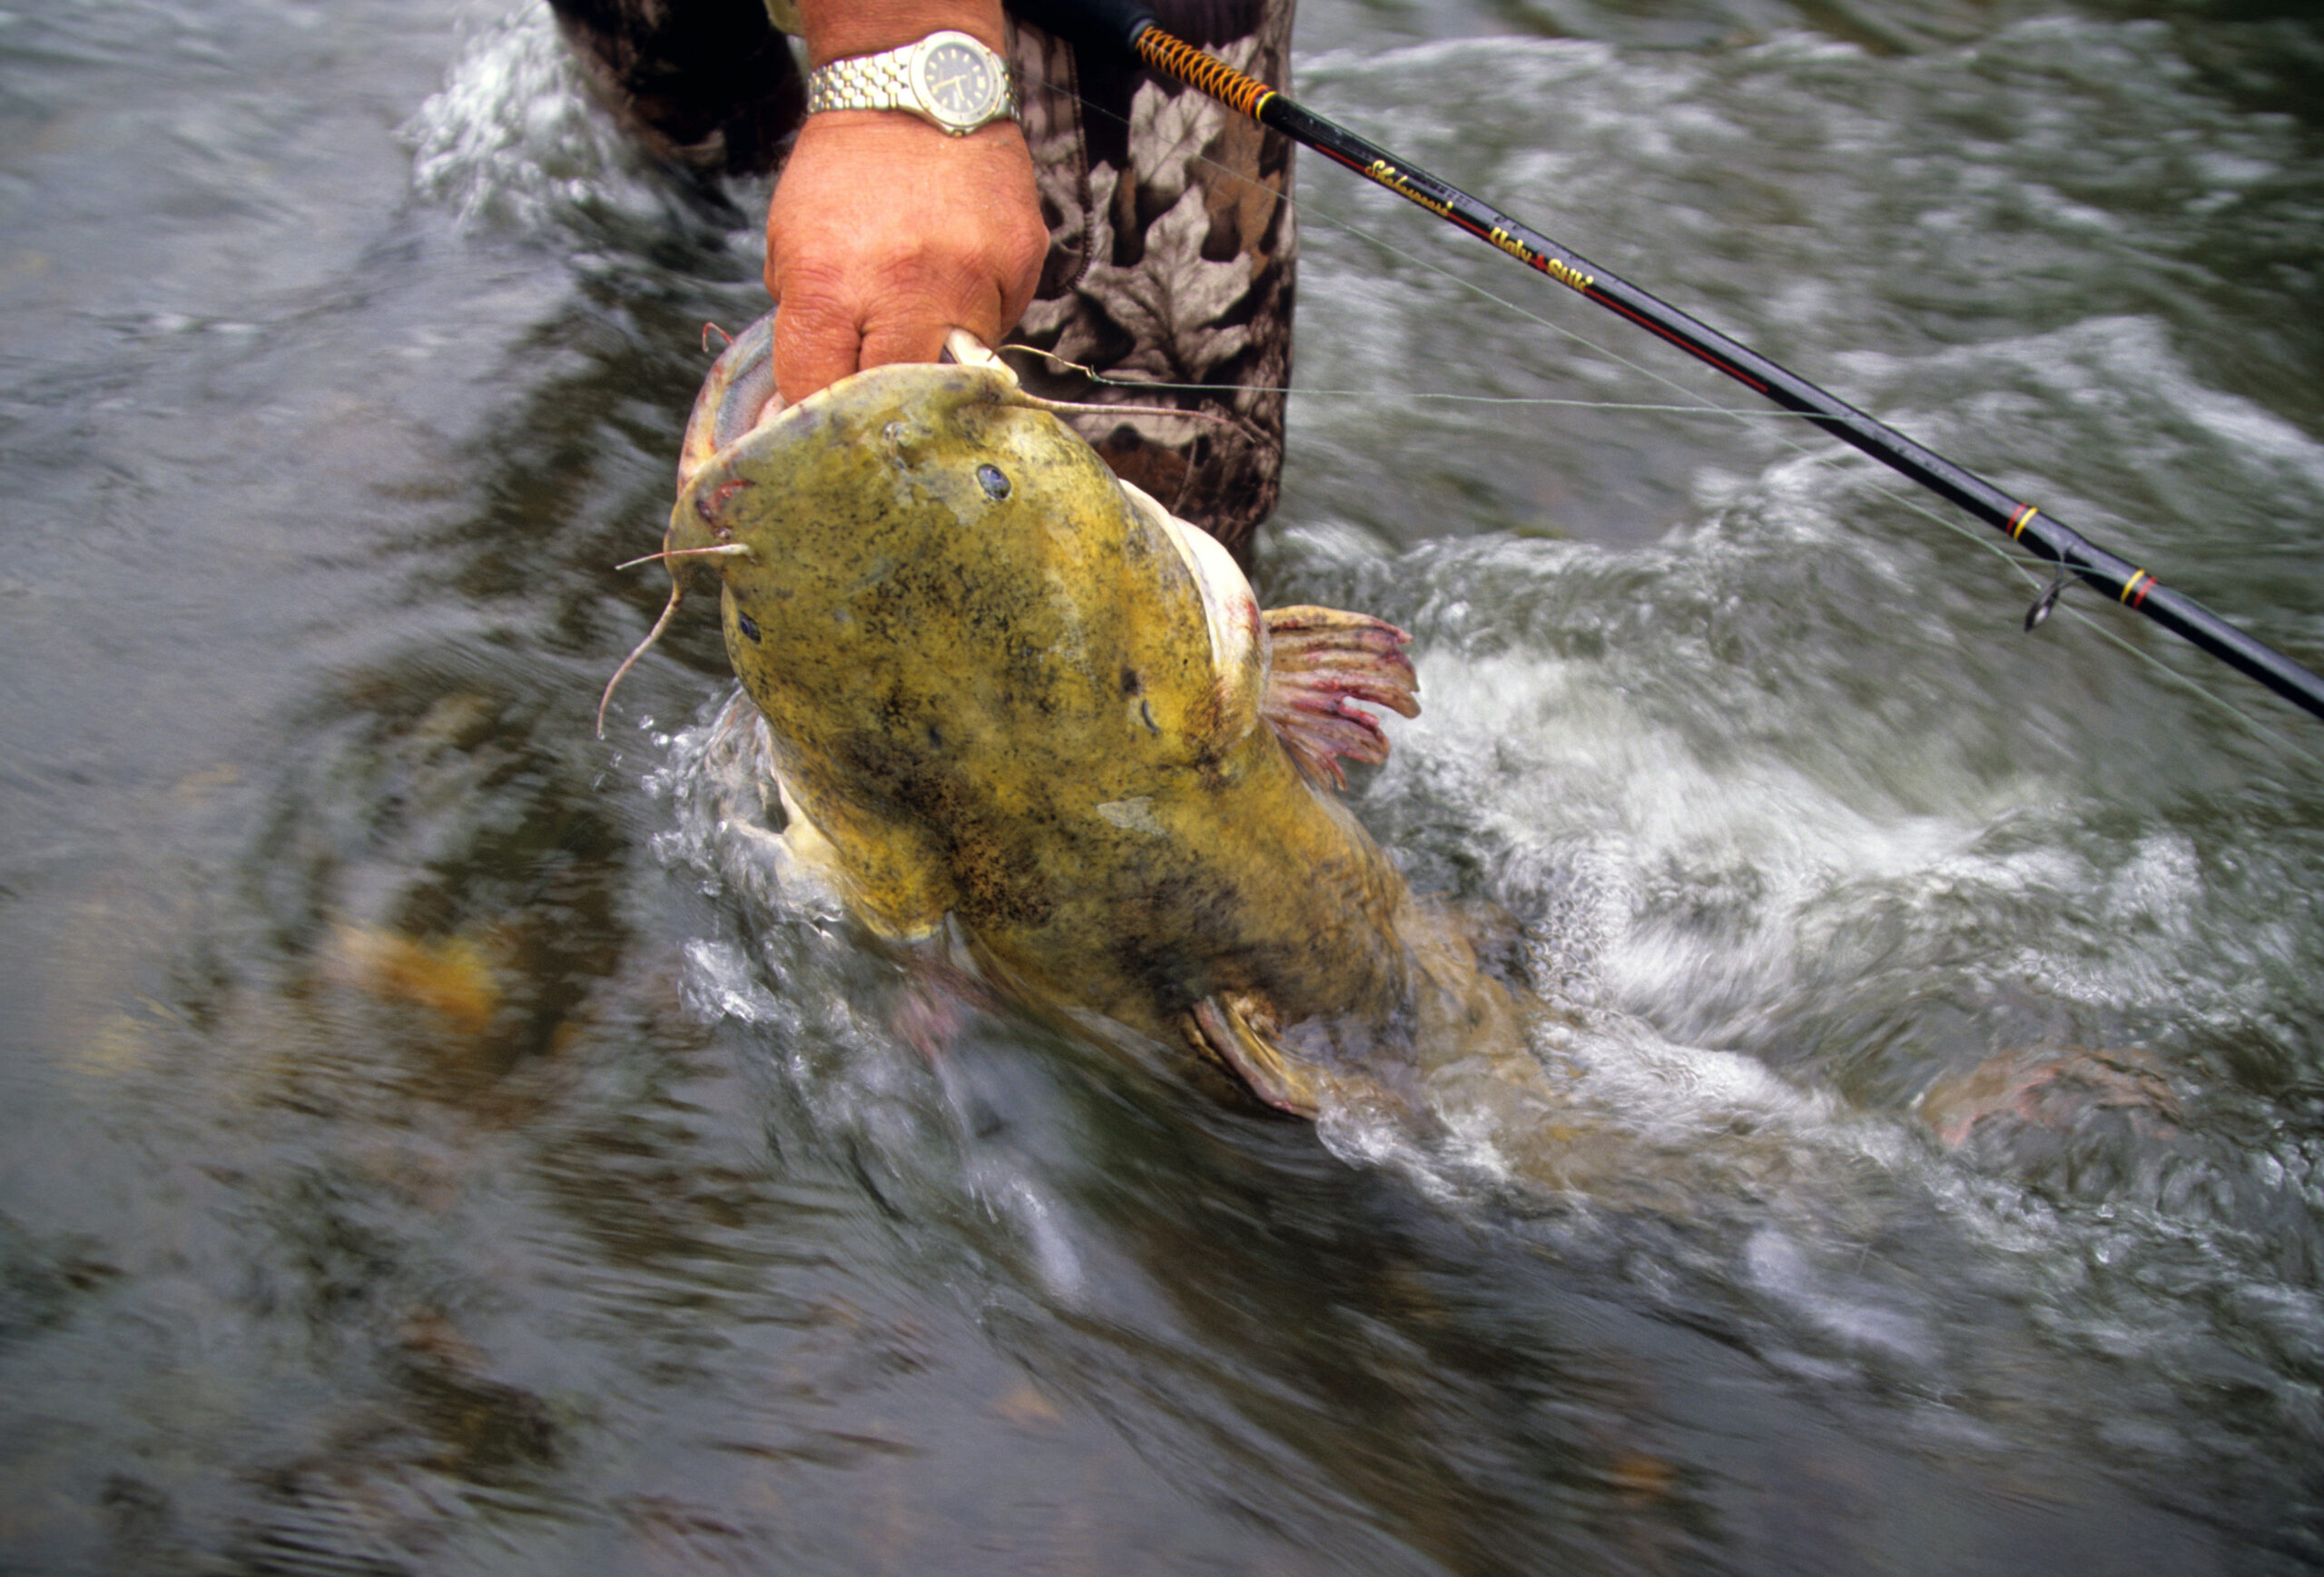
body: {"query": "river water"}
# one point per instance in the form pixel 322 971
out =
pixel 426 1147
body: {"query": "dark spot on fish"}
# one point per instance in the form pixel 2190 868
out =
pixel 935 737
pixel 1172 958
pixel 749 628
pixel 993 480
pixel 1130 685
pixel 1145 711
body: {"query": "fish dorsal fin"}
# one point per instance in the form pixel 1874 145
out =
pixel 1321 662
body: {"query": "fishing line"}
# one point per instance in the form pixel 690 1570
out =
pixel 2135 588
pixel 1833 457
pixel 1130 32
pixel 1700 404
pixel 1107 381
pixel 2188 682
pixel 2026 569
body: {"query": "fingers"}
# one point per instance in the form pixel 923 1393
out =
pixel 884 234
pixel 817 339
pixel 914 328
pixel 829 328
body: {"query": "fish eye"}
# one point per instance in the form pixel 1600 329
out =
pixel 994 481
pixel 749 628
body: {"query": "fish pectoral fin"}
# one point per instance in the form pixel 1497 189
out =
pixel 1321 662
pixel 1238 1031
pixel 741 757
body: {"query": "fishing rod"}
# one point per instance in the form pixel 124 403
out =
pixel 1126 27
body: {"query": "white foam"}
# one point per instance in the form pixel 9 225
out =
pixel 512 141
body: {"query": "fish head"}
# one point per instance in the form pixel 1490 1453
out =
pixel 927 581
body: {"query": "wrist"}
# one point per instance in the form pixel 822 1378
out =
pixel 842 29
pixel 898 136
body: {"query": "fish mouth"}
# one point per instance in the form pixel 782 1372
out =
pixel 740 423
pixel 738 396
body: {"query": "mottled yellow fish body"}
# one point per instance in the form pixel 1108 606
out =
pixel 1002 686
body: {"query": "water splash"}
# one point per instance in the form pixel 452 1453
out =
pixel 513 144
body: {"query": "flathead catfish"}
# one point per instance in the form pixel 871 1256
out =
pixel 999 685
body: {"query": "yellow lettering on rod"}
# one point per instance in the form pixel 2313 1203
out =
pixel 1565 274
pixel 1391 177
pixel 1513 247
pixel 1558 268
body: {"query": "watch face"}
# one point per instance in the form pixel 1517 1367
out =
pixel 959 83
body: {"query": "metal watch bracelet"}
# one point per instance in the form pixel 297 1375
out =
pixel 889 81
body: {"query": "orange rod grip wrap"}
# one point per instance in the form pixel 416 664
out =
pixel 1205 74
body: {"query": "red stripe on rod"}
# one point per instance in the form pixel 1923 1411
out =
pixel 1728 367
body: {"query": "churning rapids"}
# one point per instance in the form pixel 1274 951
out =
pixel 435 1141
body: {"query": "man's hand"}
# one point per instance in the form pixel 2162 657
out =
pixel 885 233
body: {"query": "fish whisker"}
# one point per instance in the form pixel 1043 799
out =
pixel 1085 408
pixel 669 611
pixel 723 550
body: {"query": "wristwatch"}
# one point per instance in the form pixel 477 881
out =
pixel 947 79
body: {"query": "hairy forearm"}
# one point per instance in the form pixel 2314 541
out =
pixel 836 29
